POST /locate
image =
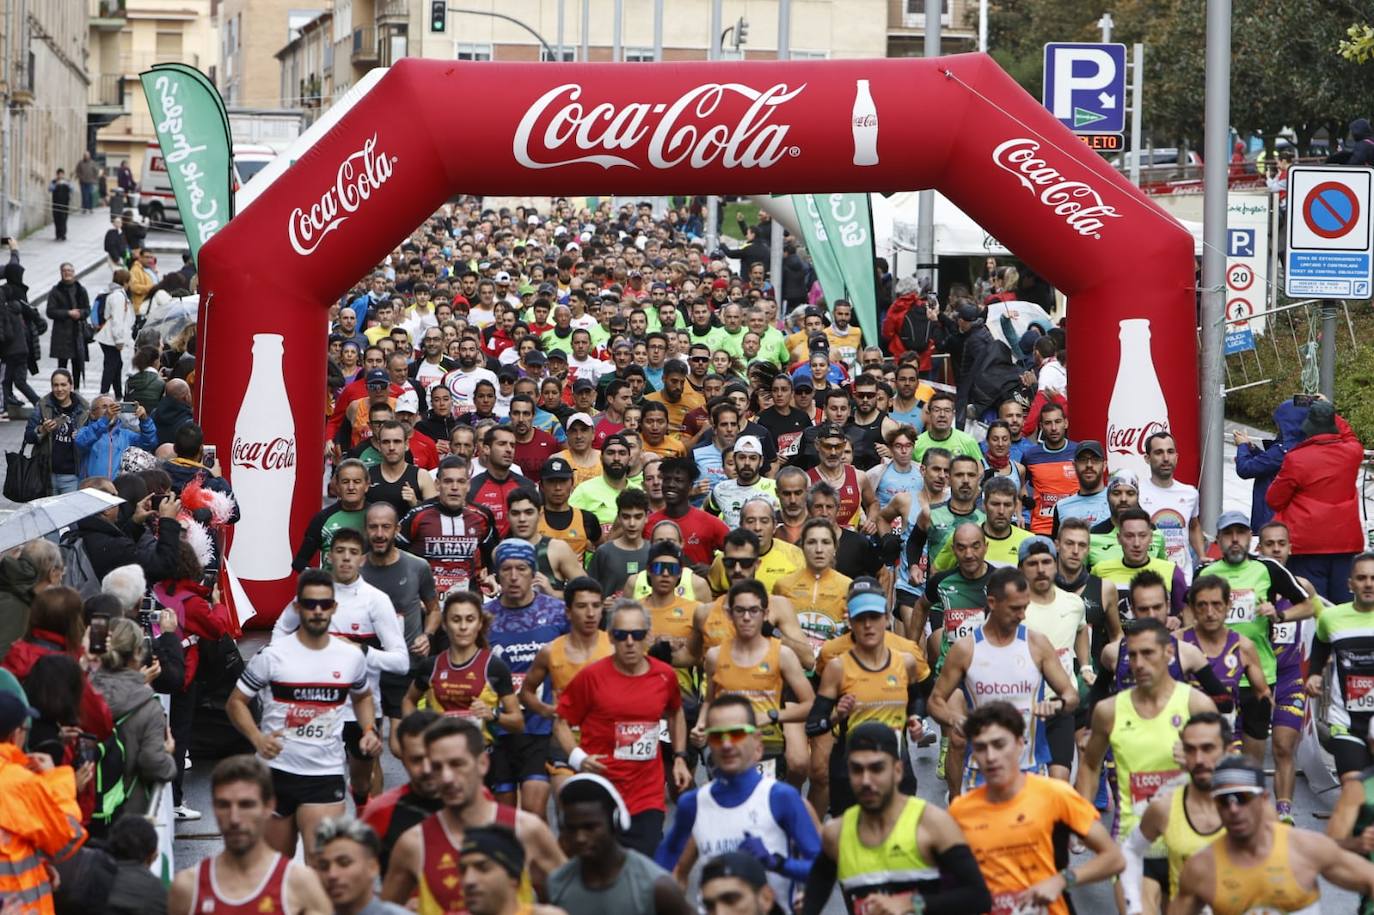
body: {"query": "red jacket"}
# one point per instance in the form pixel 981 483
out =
pixel 1315 493
pixel 195 617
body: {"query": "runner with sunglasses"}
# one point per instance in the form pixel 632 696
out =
pixel 741 809
pixel 619 703
pixel 762 669
pixel 1262 865
pixel 301 732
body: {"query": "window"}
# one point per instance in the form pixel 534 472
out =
pixel 467 51
pixel 808 55
pixel 569 55
pixel 639 55
pixel 918 8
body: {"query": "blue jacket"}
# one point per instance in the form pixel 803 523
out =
pixel 1263 465
pixel 100 445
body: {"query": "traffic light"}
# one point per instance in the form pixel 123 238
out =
pixel 438 15
pixel 741 32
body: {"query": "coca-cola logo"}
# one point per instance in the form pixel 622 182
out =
pixel 1132 439
pixel 866 120
pixel 558 129
pixel 1080 206
pixel 275 454
pixel 358 176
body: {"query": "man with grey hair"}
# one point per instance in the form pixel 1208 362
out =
pixel 347 860
pixel 34 567
pixel 617 702
pixel 128 584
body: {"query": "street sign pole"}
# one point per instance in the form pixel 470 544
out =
pixel 775 242
pixel 1326 366
pixel 1137 100
pixel 1216 158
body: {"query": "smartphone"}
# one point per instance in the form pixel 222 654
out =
pixel 128 406
pixel 156 499
pixel 147 649
pixel 1304 400
pixel 209 459
pixel 100 632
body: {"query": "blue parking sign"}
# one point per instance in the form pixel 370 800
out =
pixel 1240 242
pixel 1085 86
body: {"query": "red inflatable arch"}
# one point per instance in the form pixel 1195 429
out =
pixel 433 128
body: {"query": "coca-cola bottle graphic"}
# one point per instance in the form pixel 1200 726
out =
pixel 262 469
pixel 1137 409
pixel 865 126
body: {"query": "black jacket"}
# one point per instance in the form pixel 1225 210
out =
pixel 116 246
pixel 109 547
pixel 795 273
pixel 170 415
pixel 68 333
pixel 1362 152
pixel 757 251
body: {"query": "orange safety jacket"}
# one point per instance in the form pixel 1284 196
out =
pixel 40 822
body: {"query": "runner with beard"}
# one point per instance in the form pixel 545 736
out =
pixel 1184 819
pixel 579 453
pixel 462 381
pixel 1090 502
pixel 793 485
pixel 1001 503
pixel 598 495
pixel 248 875
pixel 935 524
pixel 1123 494
pixel 729 495
pixel 557 564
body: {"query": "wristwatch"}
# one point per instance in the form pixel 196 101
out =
pixel 1070 878
pixel 773 715
pixel 680 754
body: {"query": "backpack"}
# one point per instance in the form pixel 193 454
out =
pixel 97 318
pixel 77 571
pixel 111 782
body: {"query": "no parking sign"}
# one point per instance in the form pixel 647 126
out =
pixel 1330 242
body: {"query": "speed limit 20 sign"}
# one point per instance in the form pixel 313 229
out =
pixel 1247 259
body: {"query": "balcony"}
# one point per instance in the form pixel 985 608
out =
pixel 107 15
pixel 364 46
pixel 389 11
pixel 106 93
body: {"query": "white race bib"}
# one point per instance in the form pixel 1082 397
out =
pixel 636 741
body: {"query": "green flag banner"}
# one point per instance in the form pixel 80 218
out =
pixel 848 223
pixel 818 246
pixel 193 131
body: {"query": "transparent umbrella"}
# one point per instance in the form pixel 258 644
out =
pixel 52 513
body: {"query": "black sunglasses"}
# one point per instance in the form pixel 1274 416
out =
pixel 316 603
pixel 636 635
pixel 737 562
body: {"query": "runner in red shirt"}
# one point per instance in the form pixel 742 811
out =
pixel 619 703
pixel 491 487
pixel 703 534
pixel 532 446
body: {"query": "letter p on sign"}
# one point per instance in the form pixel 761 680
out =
pixel 1079 70
pixel 1240 242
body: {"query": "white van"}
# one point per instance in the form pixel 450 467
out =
pixel 155 199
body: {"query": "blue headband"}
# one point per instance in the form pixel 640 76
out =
pixel 519 550
pixel 860 604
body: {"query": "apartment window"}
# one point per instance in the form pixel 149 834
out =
pixel 639 55
pixel 468 51
pixel 569 55
pixel 808 55
pixel 918 8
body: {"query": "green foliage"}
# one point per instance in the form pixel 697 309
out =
pixel 1286 72
pixel 1354 373
pixel 1359 46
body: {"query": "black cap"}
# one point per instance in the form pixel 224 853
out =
pixel 535 357
pixel 616 439
pixel 498 843
pixel 507 373
pixel 967 312
pixel 803 381
pixel 555 468
pixel 735 864
pixel 816 311
pixel 818 343
pixel 1090 446
pixel 829 430
pixel 874 735
pixel 376 377
pixel 583 384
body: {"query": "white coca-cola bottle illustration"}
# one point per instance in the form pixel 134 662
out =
pixel 865 126
pixel 262 468
pixel 1137 409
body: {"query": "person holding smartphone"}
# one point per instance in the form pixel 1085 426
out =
pixel 60 413
pixel 101 443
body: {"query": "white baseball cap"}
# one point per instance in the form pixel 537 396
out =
pixel 409 402
pixel 748 444
pixel 579 418
pixel 503 277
